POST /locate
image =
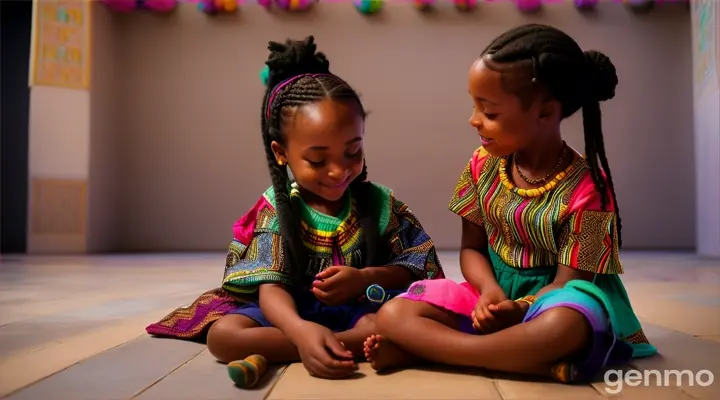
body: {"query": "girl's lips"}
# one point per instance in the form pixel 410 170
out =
pixel 337 185
pixel 486 141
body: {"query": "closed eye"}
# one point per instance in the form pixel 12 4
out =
pixel 489 115
pixel 355 154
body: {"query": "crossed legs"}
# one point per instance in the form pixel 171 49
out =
pixel 234 337
pixel 410 332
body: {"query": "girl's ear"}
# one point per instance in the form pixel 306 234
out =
pixel 280 153
pixel 550 110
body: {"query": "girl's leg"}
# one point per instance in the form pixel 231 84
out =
pixel 411 327
pixel 234 337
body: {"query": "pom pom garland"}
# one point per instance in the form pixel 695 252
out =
pixel 424 5
pixel 585 5
pixel 294 5
pixel 529 6
pixel 368 7
pixel 465 5
pixel 159 6
pixel 217 6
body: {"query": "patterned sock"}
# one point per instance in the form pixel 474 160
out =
pixel 247 373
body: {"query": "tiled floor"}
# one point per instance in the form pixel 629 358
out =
pixel 73 328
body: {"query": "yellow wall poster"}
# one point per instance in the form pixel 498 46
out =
pixel 61 44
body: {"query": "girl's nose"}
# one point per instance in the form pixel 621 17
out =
pixel 475 120
pixel 338 172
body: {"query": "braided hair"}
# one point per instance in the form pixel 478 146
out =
pixel 305 78
pixel 542 54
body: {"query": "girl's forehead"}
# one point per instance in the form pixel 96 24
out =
pixel 326 123
pixel 484 80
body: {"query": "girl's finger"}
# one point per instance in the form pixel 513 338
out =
pixel 337 348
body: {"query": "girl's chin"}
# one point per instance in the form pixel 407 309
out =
pixel 333 194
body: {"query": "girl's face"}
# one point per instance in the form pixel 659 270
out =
pixel 503 124
pixel 324 147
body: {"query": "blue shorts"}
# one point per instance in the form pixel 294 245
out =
pixel 336 318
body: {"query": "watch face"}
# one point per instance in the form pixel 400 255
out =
pixel 375 294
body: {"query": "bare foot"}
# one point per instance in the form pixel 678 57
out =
pixel 382 354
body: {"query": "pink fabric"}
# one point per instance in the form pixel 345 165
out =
pixel 477 161
pixel 459 298
pixel 244 228
pixel 586 198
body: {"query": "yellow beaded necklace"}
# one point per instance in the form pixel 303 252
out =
pixel 530 193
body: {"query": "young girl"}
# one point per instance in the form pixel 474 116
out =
pixel 304 255
pixel 540 229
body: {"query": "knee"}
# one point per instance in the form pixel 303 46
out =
pixel 392 313
pixel 567 330
pixel 222 343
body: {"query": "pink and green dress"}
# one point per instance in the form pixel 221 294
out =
pixel 528 238
pixel 255 256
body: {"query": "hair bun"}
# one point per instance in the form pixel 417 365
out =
pixel 294 57
pixel 602 77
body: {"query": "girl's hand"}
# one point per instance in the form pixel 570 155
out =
pixel 507 313
pixel 338 285
pixel 322 355
pixel 483 318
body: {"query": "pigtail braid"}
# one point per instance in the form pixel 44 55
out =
pixel 367 214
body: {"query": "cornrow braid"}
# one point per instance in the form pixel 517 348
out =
pixel 298 75
pixel 545 55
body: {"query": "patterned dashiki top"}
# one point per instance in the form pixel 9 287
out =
pixel 566 225
pixel 256 254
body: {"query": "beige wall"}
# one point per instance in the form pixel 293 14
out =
pixel 175 148
pixel 103 190
pixel 190 154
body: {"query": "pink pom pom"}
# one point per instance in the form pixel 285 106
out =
pixel 121 5
pixel 529 6
pixel 161 5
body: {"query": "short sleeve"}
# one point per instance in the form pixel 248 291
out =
pixel 465 201
pixel 256 253
pixel 410 246
pixel 588 239
pixel 249 265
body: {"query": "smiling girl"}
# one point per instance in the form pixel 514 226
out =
pixel 304 255
pixel 541 231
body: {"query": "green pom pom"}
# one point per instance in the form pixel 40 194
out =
pixel 264 75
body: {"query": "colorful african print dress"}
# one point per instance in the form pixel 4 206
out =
pixel 255 256
pixel 529 237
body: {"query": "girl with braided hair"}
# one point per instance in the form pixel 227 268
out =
pixel 303 257
pixel 540 229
